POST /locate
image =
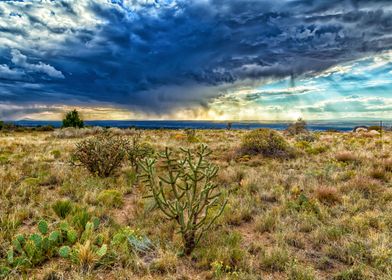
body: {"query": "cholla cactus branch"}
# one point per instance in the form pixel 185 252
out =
pixel 186 193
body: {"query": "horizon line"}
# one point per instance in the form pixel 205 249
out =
pixel 209 120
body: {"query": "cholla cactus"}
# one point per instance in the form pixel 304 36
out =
pixel 186 194
pixel 102 155
pixel 138 150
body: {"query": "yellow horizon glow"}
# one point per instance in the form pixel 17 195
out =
pixel 197 114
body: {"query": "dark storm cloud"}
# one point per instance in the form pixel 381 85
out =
pixel 158 56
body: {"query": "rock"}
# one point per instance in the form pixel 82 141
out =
pixel 373 133
pixel 360 129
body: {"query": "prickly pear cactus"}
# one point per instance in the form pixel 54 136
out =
pixel 43 227
pixel 64 251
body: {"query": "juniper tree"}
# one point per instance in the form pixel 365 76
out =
pixel 72 119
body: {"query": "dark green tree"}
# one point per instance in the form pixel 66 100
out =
pixel 72 119
pixel 1 125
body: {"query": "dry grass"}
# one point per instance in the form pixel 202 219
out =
pixel 327 195
pixel 346 156
pixel 321 215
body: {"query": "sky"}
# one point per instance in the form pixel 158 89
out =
pixel 196 59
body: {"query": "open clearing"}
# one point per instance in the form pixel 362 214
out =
pixel 324 214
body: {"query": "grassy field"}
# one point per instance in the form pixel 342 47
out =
pixel 325 213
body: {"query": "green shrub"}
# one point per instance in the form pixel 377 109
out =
pixel 4 160
pixel 72 119
pixel 138 150
pixel 102 155
pixel 266 142
pixel 316 150
pixel 191 135
pixel 187 193
pixel 56 154
pixel 62 208
pixel 303 204
pixel 111 198
pixel 45 128
pixel 298 127
pixel 306 137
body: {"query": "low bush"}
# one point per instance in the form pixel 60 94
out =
pixel 298 127
pixel 266 142
pixel 56 154
pixel 72 132
pixel 45 128
pixel 318 149
pixel 191 135
pixel 111 198
pixel 138 150
pixel 306 137
pixel 102 155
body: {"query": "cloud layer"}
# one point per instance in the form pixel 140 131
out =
pixel 360 89
pixel 166 55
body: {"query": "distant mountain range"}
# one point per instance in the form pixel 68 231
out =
pixel 319 125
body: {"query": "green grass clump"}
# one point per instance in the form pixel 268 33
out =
pixel 299 272
pixel 62 208
pixel 276 259
pixel 56 154
pixel 354 273
pixel 266 222
pixel 111 198
pixel 222 247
